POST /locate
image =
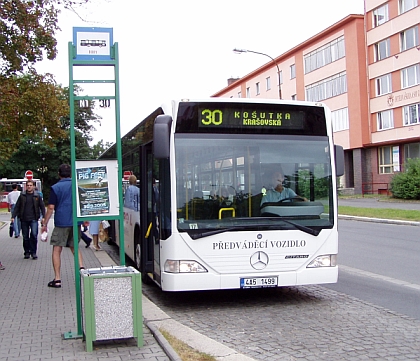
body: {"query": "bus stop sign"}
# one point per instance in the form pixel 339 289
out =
pixel 29 175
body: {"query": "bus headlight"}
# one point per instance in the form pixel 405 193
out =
pixel 327 260
pixel 183 266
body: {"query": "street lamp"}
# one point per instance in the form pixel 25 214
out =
pixel 239 51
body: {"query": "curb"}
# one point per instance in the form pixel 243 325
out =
pixel 162 341
pixel 379 220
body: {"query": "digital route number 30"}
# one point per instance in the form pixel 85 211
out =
pixel 211 117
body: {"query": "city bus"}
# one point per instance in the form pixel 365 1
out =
pixel 205 170
pixel 6 188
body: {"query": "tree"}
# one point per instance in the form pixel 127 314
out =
pixel 31 105
pixel 43 152
pixel 27 32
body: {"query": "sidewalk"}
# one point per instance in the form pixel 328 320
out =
pixel 34 317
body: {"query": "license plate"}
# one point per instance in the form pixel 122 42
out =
pixel 259 282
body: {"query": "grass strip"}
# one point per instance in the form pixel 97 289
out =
pixel 185 352
pixel 383 213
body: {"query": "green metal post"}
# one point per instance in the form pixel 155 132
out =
pixel 119 151
pixel 75 232
pixel 120 218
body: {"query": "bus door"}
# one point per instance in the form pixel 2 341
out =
pixel 149 212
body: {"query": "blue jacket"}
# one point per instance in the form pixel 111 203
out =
pixel 61 198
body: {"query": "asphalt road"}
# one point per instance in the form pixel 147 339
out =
pixel 378 263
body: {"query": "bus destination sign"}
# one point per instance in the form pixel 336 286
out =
pixel 250 118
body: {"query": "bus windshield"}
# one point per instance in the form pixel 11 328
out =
pixel 252 182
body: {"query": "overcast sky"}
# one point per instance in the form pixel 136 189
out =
pixel 171 49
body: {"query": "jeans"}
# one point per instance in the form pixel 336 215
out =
pixel 16 223
pixel 30 241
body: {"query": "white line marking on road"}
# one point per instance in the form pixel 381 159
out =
pixel 395 281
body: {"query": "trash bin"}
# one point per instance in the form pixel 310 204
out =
pixel 111 304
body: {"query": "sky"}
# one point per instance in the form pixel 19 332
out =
pixel 173 49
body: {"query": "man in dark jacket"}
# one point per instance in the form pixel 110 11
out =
pixel 29 208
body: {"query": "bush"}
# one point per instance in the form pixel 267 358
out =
pixel 406 185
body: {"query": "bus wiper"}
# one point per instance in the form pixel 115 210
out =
pixel 313 232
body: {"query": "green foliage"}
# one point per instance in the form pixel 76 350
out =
pixel 27 32
pixel 406 185
pixel 321 184
pixel 30 105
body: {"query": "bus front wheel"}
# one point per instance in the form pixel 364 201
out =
pixel 137 255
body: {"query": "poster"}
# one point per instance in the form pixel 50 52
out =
pixel 93 190
pixel 98 187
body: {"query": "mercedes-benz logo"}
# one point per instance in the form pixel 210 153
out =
pixel 259 260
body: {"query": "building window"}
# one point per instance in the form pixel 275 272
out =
pixel 292 71
pixel 405 5
pixel 340 119
pixel 382 50
pixel 383 85
pixel 268 83
pixel 409 38
pixel 411 114
pixel 380 15
pixel 325 55
pixel 327 88
pixel 385 120
pixel 257 88
pixel 410 76
pixel 411 151
pixel 239 95
pixel 385 160
pixel 293 97
pixel 248 92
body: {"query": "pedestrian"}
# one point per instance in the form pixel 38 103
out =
pixel 132 194
pixel 94 232
pixel 12 198
pixel 29 208
pixel 84 227
pixel 60 203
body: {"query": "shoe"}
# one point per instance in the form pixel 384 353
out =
pixel 26 256
pixel 2 267
pixel 54 284
pixel 17 236
pixel 88 244
pixel 34 256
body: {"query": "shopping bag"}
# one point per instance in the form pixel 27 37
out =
pixel 44 236
pixel 103 233
pixel 11 229
pixel 105 224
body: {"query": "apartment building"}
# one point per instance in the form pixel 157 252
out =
pixel 393 53
pixel 366 69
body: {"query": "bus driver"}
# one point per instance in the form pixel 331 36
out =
pixel 278 192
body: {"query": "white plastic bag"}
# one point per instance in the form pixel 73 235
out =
pixel 44 236
pixel 105 224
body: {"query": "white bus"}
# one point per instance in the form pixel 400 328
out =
pixel 209 222
pixel 6 188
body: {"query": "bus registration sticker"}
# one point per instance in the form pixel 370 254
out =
pixel 259 282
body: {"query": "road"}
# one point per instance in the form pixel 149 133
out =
pixel 379 264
